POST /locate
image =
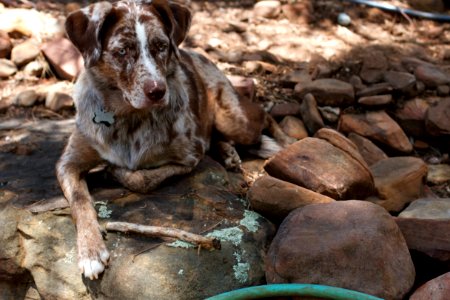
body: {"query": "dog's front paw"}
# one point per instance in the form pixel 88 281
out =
pixel 230 156
pixel 232 162
pixel 92 254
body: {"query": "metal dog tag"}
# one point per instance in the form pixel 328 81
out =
pixel 103 117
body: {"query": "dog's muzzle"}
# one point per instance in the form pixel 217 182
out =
pixel 154 91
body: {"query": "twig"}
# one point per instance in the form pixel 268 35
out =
pixel 145 250
pixel 212 227
pixel 411 23
pixel 203 242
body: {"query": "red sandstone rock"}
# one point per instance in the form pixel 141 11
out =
pixel 349 244
pixel 63 57
pixel 399 180
pixel 328 91
pixel 323 168
pixel 376 126
pixel 275 198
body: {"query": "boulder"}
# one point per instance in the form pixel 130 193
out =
pixel 370 152
pixel 377 126
pixel 411 116
pixel 35 68
pixel 24 53
pixel 11 253
pixel 411 63
pixel 375 100
pixel 147 268
pixel 267 9
pixel 331 92
pixel 340 141
pixel 5 45
pixel 290 79
pixel 259 67
pixel 7 68
pixel 329 113
pixel 59 96
pixel 294 127
pixel 30 22
pixel 428 208
pixel 398 181
pixel 429 236
pixel 432 76
pixel 275 199
pixel 323 168
pixel 357 83
pixel 285 109
pixel 310 114
pixel 319 66
pixel 421 145
pixel 438 174
pixel 349 244
pixel 26 98
pixel 437 121
pixel 400 81
pixel 375 89
pixel 65 59
pixel 435 289
pixel 374 66
pixel 443 90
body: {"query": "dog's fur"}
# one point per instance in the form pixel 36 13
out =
pixel 162 105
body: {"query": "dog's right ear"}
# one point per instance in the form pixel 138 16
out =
pixel 84 28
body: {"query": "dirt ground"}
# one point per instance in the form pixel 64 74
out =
pixel 232 36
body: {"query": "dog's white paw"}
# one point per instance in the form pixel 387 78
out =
pixel 92 253
pixel 91 268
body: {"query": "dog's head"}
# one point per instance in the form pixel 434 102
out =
pixel 131 45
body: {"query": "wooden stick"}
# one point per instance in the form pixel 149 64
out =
pixel 201 241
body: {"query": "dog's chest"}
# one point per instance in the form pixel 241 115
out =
pixel 139 142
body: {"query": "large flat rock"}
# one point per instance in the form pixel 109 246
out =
pixel 43 243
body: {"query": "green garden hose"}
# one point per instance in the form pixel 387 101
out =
pixel 293 289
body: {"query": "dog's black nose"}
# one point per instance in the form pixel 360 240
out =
pixel 154 90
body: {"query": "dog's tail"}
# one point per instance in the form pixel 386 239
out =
pixel 267 147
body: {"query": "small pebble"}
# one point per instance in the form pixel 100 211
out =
pixel 434 160
pixel 344 19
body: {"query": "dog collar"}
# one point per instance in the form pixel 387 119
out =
pixel 103 117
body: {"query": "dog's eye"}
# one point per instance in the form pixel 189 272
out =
pixel 162 46
pixel 122 52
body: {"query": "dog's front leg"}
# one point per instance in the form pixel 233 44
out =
pixel 77 159
pixel 143 181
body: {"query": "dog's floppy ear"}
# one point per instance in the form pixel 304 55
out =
pixel 176 19
pixel 84 28
pixel 182 17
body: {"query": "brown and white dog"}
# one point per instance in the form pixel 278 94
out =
pixel 145 107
